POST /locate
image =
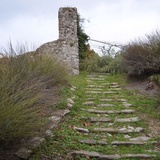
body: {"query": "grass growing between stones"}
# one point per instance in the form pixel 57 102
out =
pixel 66 138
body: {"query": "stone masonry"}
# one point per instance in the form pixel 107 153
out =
pixel 66 47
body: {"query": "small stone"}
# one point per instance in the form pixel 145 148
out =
pixel 84 130
pixel 55 119
pixel 23 153
pixel 36 141
pixel 72 89
pixel 139 129
pixel 110 124
pixel 127 104
pixel 130 127
pixel 127 136
pixel 69 105
pixel 109 135
pixel 69 100
pixel 49 133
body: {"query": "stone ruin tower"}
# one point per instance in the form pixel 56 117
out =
pixel 66 47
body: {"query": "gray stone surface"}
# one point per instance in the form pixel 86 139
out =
pixel 116 130
pixel 94 92
pixel 70 100
pixel 132 119
pixel 93 142
pixel 94 155
pixel 55 119
pixel 126 111
pixel 84 130
pixel 102 119
pixel 108 157
pixel 127 143
pixel 110 92
pixel 23 153
pixel 140 138
pixel 66 47
pixel 88 103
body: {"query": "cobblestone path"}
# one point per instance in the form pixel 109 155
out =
pixel 111 123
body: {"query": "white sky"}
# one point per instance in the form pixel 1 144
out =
pixel 119 21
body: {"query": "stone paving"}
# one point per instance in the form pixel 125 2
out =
pixel 113 120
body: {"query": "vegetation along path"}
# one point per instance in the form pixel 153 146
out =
pixel 102 124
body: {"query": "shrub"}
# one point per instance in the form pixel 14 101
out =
pixel 22 77
pixel 90 64
pixel 142 57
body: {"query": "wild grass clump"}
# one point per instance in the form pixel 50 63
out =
pixel 142 57
pixel 22 77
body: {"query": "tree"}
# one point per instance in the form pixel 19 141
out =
pixel 82 39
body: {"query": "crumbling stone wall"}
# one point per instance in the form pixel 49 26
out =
pixel 66 47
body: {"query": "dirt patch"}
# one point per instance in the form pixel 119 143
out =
pixel 144 86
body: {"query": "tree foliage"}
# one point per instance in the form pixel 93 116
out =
pixel 82 39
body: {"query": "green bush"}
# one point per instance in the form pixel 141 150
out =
pixel 104 64
pixel 22 78
pixel 142 57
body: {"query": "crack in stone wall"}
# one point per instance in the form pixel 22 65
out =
pixel 66 47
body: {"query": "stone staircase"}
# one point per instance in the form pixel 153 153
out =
pixel 113 123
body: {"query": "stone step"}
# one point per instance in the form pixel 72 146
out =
pixel 103 119
pixel 120 130
pixel 96 76
pixel 100 142
pixel 88 103
pixel 105 105
pixel 125 111
pixel 140 138
pixel 123 120
pixel 112 100
pixel 110 92
pixel 115 86
pixel 98 155
pixel 93 142
pixel 132 119
pixel 127 143
pixel 83 130
pixel 114 89
pixel 95 79
pixel 95 86
pixel 94 89
pixel 93 92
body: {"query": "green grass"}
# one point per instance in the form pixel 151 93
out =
pixel 66 138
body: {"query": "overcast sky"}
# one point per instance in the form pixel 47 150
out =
pixel 119 21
